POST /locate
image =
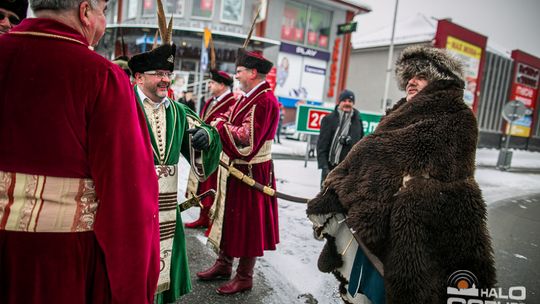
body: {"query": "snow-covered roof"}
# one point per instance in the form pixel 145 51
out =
pixel 359 5
pixel 415 29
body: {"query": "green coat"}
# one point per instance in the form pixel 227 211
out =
pixel 177 143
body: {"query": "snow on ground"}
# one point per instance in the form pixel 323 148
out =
pixel 294 263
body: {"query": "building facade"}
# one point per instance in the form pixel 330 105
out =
pixel 299 36
pixel 493 77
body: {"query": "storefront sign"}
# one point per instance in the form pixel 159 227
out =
pixel 304 51
pixel 309 117
pixel 469 47
pixel 525 89
pixel 346 28
pixel 470 55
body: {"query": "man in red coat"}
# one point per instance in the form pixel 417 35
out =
pixel 222 98
pixel 78 189
pixel 245 220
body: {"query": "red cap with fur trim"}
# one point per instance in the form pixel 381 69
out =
pixel 253 60
pixel 221 77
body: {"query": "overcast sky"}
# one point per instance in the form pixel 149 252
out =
pixel 510 24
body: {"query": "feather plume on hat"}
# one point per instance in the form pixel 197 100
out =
pixel 160 57
pixel 253 60
pixel 432 63
pixel 164 31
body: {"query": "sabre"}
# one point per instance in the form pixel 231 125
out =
pixel 195 200
pixel 260 187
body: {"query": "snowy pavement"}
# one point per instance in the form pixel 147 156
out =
pixel 292 268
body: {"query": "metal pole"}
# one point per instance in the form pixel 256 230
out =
pixel 390 59
pixel 200 80
pixel 503 162
pixel 306 157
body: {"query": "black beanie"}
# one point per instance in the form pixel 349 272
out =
pixel 346 94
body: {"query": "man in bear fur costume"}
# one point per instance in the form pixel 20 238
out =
pixel 408 189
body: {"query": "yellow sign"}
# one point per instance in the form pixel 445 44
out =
pixel 518 130
pixel 464 48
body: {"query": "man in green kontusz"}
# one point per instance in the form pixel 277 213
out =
pixel 174 130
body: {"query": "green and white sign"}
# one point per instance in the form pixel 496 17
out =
pixel 308 119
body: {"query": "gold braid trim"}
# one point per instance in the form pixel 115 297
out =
pixel 40 34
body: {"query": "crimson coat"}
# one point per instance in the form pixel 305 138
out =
pixel 209 114
pixel 251 218
pixel 65 111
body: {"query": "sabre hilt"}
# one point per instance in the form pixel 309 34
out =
pixel 195 200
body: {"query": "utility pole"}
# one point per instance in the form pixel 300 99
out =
pixel 390 59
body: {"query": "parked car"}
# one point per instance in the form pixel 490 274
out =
pixel 289 130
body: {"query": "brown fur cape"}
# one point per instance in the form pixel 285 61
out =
pixel 431 223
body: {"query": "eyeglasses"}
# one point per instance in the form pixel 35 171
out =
pixel 240 70
pixel 12 18
pixel 160 74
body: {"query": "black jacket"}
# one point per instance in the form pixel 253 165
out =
pixel 329 125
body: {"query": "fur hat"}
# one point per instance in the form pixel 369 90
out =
pixel 432 63
pixel 18 7
pixel 221 77
pixel 346 94
pixel 160 58
pixel 252 60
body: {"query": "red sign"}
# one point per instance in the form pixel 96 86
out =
pixel 271 78
pixel 298 34
pixel 148 4
pixel 333 68
pixel 323 41
pixel 314 119
pixel 207 5
pixel 312 37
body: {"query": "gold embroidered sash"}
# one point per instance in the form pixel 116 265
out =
pixel 37 203
pixel 217 211
pixel 168 188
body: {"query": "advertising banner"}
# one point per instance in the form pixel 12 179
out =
pixel 525 89
pixel 470 55
pixel 301 73
pixel 468 46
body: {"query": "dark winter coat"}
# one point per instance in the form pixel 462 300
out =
pixel 409 191
pixel 329 125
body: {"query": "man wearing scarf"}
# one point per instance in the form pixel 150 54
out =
pixel 340 130
pixel 174 129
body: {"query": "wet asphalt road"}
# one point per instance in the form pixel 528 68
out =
pixel 514 226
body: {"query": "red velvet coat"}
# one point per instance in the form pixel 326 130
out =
pixel 66 111
pixel 209 114
pixel 251 218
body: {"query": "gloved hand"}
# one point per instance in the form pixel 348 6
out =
pixel 199 139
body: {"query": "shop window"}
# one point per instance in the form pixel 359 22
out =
pixel 202 9
pixel 132 9
pixel 175 7
pixel 293 24
pixel 149 7
pixel 318 31
pixel 232 11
